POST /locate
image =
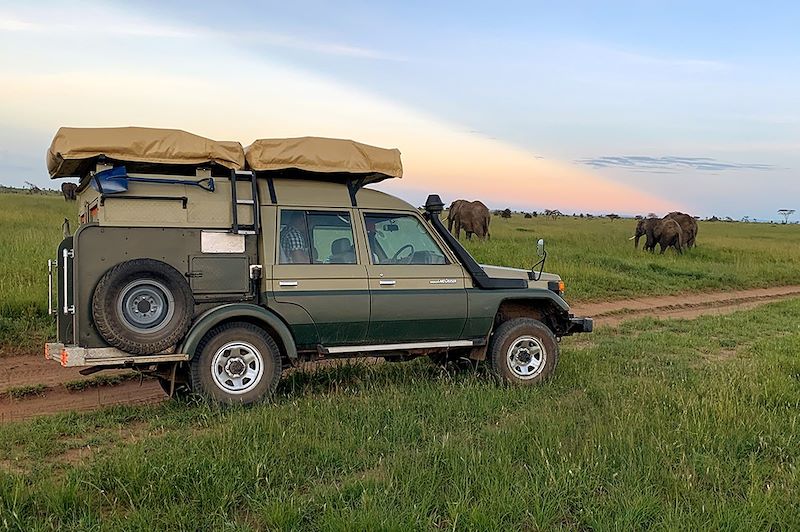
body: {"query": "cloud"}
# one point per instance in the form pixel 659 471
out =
pixel 109 22
pixel 8 23
pixel 307 45
pixel 636 59
pixel 669 164
pixel 260 97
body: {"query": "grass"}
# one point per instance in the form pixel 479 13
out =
pixel 593 256
pixel 100 380
pixel 19 392
pixel 31 232
pixel 652 424
pixel 598 262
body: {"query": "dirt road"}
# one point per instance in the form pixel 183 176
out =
pixel 19 371
pixel 683 306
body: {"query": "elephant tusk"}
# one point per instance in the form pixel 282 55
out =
pixel 631 238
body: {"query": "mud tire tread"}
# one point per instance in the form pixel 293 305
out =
pixel 202 382
pixel 512 329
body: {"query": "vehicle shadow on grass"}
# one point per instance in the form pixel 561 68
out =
pixel 353 376
pixel 348 377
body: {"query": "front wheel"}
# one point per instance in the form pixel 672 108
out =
pixel 523 351
pixel 236 363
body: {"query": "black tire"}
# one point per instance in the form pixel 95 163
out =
pixel 142 306
pixel 523 351
pixel 228 356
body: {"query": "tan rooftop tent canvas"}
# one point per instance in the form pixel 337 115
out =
pixel 73 147
pixel 316 154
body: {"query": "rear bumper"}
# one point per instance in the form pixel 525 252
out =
pixel 579 325
pixel 74 356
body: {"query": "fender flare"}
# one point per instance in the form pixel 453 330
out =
pixel 536 294
pixel 561 317
pixel 234 311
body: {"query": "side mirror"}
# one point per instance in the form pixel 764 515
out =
pixel 540 247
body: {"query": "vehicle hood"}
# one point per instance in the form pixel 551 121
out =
pixel 504 272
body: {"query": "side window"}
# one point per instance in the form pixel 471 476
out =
pixel 401 239
pixel 316 238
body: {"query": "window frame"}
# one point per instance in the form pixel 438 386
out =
pixel 310 212
pixel 443 248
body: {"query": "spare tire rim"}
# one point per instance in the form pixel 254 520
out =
pixel 526 357
pixel 145 305
pixel 237 367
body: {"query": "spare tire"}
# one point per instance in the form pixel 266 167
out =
pixel 142 306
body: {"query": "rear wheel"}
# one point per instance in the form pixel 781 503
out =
pixel 236 363
pixel 523 351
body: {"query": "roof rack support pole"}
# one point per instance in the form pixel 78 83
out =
pixel 271 187
pixel 352 187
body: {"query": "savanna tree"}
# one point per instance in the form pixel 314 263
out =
pixel 786 213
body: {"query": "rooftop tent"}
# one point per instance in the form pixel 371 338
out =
pixel 338 158
pixel 74 151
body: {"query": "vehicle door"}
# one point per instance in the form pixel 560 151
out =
pixel 317 268
pixel 417 290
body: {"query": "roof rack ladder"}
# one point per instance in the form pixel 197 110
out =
pixel 252 202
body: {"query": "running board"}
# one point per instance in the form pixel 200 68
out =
pixel 398 347
pixel 73 356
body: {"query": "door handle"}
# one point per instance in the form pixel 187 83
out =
pixel 386 282
pixel 287 283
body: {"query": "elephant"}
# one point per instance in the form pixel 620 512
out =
pixel 472 216
pixel 688 226
pixel 452 213
pixel 665 232
pixel 69 190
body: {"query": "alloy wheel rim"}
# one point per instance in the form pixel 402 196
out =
pixel 237 367
pixel 526 357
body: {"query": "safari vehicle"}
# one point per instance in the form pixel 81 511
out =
pixel 213 267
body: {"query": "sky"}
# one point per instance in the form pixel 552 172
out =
pixel 627 107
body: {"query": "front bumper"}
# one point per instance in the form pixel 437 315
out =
pixel 580 325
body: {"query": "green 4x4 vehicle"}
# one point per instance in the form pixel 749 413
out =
pixel 213 267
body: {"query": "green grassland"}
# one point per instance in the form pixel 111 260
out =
pixel 598 262
pixel 594 256
pixel 652 424
pixel 30 230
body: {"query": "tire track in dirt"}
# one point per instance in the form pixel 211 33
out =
pixel 685 306
pixel 28 370
pixel 59 399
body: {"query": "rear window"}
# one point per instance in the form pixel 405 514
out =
pixel 309 237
